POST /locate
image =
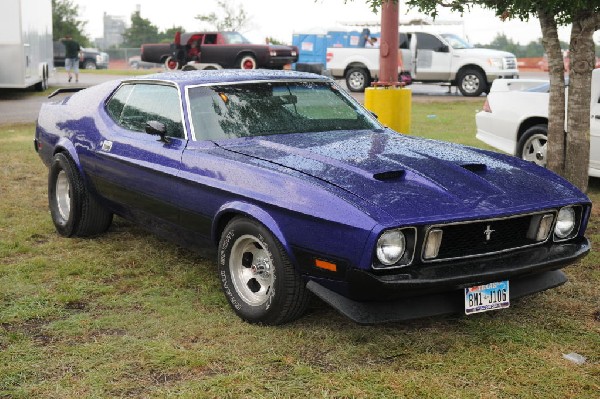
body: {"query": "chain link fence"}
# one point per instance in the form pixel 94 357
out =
pixel 128 58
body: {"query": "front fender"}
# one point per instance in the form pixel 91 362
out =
pixel 229 209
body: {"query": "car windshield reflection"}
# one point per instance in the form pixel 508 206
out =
pixel 257 109
pixel 457 42
pixel 234 38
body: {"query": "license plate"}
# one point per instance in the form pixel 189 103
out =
pixel 486 297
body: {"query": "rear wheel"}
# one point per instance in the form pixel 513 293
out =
pixel 74 210
pixel 532 146
pixel 257 277
pixel 247 62
pixel 43 85
pixel 357 79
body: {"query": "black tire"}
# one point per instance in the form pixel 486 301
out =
pixel 471 82
pixel 247 61
pixel 532 145
pixel 43 85
pixel 358 79
pixel 89 64
pixel 75 212
pixel 257 277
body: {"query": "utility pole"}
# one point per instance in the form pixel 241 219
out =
pixel 388 99
pixel 388 50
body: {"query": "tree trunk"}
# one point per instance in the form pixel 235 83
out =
pixel 583 59
pixel 556 146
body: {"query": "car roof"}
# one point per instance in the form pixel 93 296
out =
pixel 187 78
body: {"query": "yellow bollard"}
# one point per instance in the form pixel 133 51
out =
pixel 392 105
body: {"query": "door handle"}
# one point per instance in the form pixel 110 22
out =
pixel 595 116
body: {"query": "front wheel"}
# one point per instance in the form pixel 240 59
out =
pixel 257 277
pixel 89 65
pixel 74 210
pixel 472 82
pixel 357 79
pixel 171 64
pixel 532 146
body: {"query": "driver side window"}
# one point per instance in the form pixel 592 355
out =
pixel 133 105
pixel 425 41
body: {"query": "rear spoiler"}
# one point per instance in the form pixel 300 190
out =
pixel 65 90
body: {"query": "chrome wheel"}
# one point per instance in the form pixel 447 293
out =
pixel 535 149
pixel 63 195
pixel 251 269
pixel 470 84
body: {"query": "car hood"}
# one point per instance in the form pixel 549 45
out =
pixel 408 178
pixel 484 52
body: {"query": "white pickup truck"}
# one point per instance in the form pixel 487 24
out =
pixel 428 58
pixel 514 119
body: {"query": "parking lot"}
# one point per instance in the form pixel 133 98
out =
pixel 23 106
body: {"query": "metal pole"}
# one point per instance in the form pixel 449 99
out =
pixel 388 51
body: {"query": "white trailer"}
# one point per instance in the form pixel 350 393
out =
pixel 26 53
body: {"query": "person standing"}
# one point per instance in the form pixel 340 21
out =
pixel 365 36
pixel 72 50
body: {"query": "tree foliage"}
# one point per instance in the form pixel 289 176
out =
pixel 169 34
pixel 534 48
pixel 141 31
pixel 231 18
pixel 65 21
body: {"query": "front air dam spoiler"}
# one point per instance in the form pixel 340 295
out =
pixel 428 305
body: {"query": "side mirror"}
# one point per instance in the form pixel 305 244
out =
pixel 157 128
pixel 444 49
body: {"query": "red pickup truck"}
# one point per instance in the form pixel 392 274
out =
pixel 226 49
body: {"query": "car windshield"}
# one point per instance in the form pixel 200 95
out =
pixel 456 42
pixel 234 38
pixel 256 109
pixel 543 88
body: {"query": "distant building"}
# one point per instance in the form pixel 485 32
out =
pixel 114 27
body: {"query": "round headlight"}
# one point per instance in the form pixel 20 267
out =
pixel 565 222
pixel 390 247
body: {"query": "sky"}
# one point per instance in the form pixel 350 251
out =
pixel 280 19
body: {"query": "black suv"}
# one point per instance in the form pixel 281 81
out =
pixel 88 59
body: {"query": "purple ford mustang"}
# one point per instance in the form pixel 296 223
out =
pixel 304 192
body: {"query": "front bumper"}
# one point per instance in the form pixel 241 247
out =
pixel 425 306
pixel 510 74
pixel 280 61
pixel 434 288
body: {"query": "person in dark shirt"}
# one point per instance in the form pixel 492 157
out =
pixel 365 36
pixel 71 56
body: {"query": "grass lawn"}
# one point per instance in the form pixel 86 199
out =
pixel 128 315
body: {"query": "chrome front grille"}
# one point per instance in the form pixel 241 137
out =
pixel 510 63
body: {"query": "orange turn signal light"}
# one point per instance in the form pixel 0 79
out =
pixel 321 264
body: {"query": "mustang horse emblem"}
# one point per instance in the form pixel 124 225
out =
pixel 488 232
